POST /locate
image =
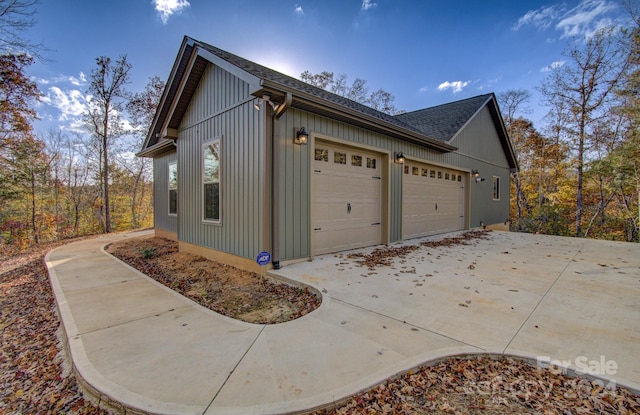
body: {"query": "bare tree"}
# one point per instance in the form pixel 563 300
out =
pixel 141 107
pixel 379 100
pixel 16 16
pixel 103 116
pixel 583 89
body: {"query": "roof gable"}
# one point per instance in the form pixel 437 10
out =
pixel 444 122
pixel 192 59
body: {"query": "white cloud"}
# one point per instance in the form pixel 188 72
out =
pixel 299 10
pixel 582 20
pixel 455 86
pixel 81 79
pixel 166 8
pixel 71 104
pixel 541 18
pixel 368 4
pixel 423 90
pixel 554 65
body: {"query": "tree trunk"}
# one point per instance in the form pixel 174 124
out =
pixel 107 214
pixel 34 226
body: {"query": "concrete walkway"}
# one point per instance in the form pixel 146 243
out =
pixel 138 345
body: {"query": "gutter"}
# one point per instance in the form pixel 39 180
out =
pixel 391 129
pixel 277 112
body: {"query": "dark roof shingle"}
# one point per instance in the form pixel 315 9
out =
pixel 442 122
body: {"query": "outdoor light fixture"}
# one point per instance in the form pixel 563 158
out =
pixel 475 173
pixel 399 157
pixel 301 136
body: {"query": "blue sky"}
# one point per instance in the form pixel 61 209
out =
pixel 425 52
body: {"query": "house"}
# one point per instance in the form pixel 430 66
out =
pixel 247 159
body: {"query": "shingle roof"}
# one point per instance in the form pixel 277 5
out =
pixel 444 121
pixel 265 73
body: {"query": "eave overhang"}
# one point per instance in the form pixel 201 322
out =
pixel 316 105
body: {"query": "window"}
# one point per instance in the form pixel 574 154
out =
pixel 356 160
pixel 371 163
pixel 432 174
pixel 439 175
pixel 211 180
pixel 415 171
pixel 322 154
pixel 339 158
pixel 173 188
pixel 459 178
pixel 425 172
pixel 496 188
pixel 406 169
pixel 446 176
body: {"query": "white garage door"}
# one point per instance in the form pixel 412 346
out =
pixel 347 199
pixel 432 200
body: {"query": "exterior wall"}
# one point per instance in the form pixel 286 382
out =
pixel 222 108
pixel 480 145
pixel 166 225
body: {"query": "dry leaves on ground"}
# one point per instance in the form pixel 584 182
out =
pixel 384 256
pixel 488 385
pixel 32 379
pixel 230 291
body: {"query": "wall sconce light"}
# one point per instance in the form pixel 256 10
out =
pixel 302 136
pixel 399 157
pixel 475 173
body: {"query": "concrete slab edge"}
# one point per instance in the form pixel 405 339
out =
pixel 340 396
pixel 97 388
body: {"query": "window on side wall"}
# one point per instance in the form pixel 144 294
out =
pixel 173 188
pixel 211 180
pixel 496 188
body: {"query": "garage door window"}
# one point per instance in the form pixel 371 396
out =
pixel 339 158
pixel 322 154
pixel 371 163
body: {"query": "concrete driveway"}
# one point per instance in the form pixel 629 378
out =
pixel 573 301
pixel 137 345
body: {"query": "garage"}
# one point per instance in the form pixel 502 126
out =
pixel 433 200
pixel 347 198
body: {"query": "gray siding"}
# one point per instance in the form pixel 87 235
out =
pixel 221 108
pixel 161 218
pixel 295 198
pixel 479 144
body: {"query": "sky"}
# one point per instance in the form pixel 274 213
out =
pixel 424 52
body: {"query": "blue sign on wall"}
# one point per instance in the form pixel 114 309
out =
pixel 263 258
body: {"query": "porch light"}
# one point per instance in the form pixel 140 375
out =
pixel 399 157
pixel 301 136
pixel 475 173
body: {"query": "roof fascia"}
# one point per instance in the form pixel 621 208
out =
pixel 160 147
pixel 395 130
pixel 252 80
pixel 163 100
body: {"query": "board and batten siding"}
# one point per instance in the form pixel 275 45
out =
pixel 221 108
pixel 479 144
pixel 161 218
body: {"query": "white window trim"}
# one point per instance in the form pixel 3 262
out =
pixel 494 186
pixel 202 191
pixel 173 163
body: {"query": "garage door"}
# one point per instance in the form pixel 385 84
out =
pixel 347 199
pixel 432 200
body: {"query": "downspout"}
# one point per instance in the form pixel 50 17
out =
pixel 277 112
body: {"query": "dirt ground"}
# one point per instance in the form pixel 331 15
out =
pixel 233 292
